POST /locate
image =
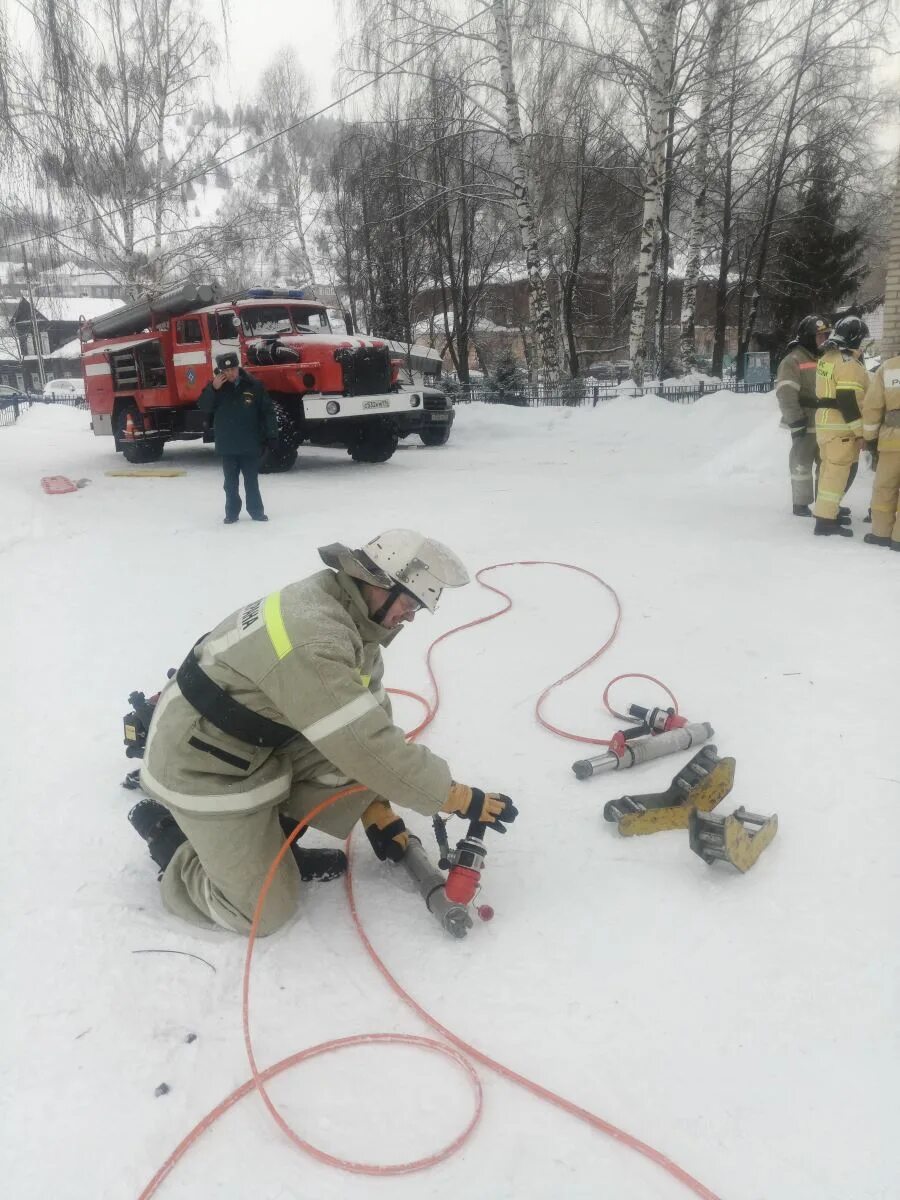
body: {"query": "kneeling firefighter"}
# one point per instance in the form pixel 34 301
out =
pixel 280 706
pixel 841 383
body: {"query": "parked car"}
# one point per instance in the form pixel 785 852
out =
pixel 10 393
pixel 69 388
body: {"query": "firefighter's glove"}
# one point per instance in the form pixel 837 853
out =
pixel 798 431
pixel 488 808
pixel 872 447
pixel 385 830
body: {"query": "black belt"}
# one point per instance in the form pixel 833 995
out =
pixel 226 713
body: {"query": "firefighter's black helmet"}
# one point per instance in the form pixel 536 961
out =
pixel 807 330
pixel 849 333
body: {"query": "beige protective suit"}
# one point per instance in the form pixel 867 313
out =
pixel 308 657
pixel 842 379
pixel 795 390
pixel 881 420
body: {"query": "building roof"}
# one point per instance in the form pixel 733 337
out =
pixel 70 349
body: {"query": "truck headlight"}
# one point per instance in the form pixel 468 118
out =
pixel 332 408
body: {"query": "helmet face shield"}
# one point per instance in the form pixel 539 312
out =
pixel 421 566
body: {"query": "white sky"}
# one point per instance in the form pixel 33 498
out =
pixel 257 29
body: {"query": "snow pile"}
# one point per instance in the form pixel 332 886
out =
pixel 708 1013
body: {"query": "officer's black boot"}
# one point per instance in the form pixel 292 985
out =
pixel 159 829
pixel 828 527
pixel 802 510
pixel 319 864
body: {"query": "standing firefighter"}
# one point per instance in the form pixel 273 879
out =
pixel 795 388
pixel 841 382
pixel 881 430
pixel 275 710
pixel 244 420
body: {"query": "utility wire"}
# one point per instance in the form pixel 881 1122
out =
pixel 123 208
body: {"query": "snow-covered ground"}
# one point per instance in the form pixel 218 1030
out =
pixel 746 1026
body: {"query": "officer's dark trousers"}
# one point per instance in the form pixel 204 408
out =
pixel 233 466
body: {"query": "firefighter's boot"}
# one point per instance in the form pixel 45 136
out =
pixel 159 829
pixel 872 539
pixel 319 864
pixel 830 526
pixel 701 783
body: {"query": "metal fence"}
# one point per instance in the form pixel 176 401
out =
pixel 12 407
pixel 588 393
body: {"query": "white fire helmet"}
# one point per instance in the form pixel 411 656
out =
pixel 420 565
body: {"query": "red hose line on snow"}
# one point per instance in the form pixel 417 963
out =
pixel 259 1078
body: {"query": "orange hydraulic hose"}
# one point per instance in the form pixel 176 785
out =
pixel 259 1078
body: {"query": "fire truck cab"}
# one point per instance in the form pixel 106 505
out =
pixel 145 366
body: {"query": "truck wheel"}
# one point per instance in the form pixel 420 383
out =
pixel 375 446
pixel 275 461
pixel 437 435
pixel 146 450
pixel 284 457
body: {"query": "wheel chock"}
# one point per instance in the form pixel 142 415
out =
pixel 738 838
pixel 700 784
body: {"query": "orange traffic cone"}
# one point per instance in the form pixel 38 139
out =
pixel 129 427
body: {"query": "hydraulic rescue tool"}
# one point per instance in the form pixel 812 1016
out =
pixel 449 898
pixel 739 838
pixel 700 784
pixel 661 732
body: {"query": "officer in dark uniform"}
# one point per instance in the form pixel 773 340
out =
pixel 244 420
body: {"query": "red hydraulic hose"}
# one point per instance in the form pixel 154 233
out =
pixel 463 1051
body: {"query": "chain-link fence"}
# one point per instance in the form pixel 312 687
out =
pixel 587 393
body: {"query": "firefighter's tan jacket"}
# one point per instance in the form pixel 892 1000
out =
pixel 795 388
pixel 841 378
pixel 308 657
pixel 881 408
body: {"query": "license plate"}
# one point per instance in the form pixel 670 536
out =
pixel 440 416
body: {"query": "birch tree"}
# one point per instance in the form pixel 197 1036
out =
pixel 660 45
pixel 719 22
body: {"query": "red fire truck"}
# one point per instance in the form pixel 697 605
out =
pixel 146 364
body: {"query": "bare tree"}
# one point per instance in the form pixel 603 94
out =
pixel 393 28
pixel 109 115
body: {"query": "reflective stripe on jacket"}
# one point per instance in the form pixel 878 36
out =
pixel 309 657
pixel 841 382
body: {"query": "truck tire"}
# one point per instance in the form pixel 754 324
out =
pixel 283 458
pixel 374 446
pixel 146 450
pixel 436 435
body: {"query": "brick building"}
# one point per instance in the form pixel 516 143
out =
pixel 890 338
